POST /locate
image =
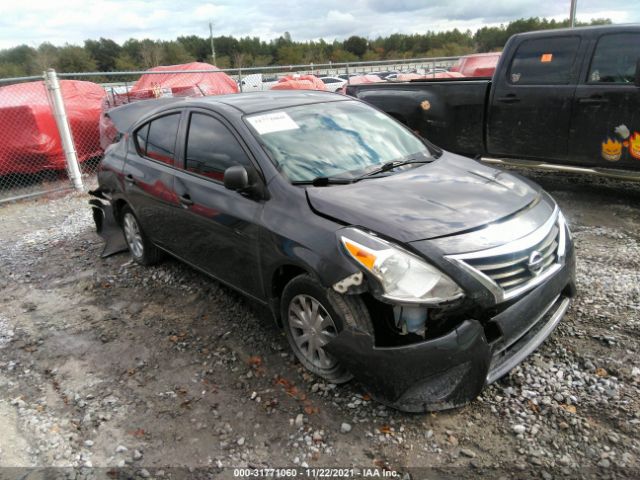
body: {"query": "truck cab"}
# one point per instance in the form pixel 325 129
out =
pixel 569 96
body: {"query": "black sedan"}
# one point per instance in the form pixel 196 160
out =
pixel 423 274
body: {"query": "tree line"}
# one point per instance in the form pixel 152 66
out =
pixel 106 55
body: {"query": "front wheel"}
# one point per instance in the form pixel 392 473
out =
pixel 312 316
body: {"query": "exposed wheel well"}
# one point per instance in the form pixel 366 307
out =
pixel 118 206
pixel 281 277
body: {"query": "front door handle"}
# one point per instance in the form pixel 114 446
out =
pixel 129 179
pixel 185 200
pixel 510 98
pixel 593 100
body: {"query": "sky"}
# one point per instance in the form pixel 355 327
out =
pixel 32 22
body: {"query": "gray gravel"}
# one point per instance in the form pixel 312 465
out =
pixel 105 363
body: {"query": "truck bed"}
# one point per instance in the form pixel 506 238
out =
pixel 448 112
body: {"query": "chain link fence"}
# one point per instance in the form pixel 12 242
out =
pixel 54 133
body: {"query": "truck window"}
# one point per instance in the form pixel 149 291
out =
pixel 615 58
pixel 544 61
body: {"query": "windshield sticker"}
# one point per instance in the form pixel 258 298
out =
pixel 515 77
pixel 546 57
pixel 272 122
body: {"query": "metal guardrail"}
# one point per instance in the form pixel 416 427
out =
pixel 307 67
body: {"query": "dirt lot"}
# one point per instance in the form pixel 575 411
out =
pixel 107 364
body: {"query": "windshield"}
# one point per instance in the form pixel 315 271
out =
pixel 334 139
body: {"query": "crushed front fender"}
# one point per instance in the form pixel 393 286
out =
pixel 436 374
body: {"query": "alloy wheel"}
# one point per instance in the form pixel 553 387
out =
pixel 312 328
pixel 133 235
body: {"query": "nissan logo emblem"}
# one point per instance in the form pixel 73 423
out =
pixel 535 262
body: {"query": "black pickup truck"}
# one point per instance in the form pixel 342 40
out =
pixel 564 97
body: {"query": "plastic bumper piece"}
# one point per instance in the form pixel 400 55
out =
pixel 106 225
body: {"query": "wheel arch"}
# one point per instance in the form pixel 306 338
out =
pixel 280 277
pixel 118 206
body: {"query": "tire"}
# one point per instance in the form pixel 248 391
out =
pixel 142 250
pixel 303 298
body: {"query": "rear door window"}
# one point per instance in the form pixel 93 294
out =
pixel 141 139
pixel 212 148
pixel 544 61
pixel 157 139
pixel 615 58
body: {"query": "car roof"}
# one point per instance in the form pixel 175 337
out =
pixel 253 102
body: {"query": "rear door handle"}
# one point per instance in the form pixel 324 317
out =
pixel 129 179
pixel 593 100
pixel 510 98
pixel 185 200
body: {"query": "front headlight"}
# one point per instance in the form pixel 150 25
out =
pixel 403 277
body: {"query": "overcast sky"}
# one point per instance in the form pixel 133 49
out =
pixel 72 21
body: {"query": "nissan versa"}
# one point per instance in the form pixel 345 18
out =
pixel 422 274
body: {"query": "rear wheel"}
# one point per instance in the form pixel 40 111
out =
pixel 142 250
pixel 312 316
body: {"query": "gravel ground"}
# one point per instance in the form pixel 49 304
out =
pixel 107 364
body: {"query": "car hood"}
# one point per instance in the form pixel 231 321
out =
pixel 451 195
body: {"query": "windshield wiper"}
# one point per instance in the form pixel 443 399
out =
pixel 390 166
pixel 324 181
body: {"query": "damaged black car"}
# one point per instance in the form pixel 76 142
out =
pixel 422 274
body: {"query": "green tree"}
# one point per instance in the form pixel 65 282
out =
pixel 72 58
pixel 151 53
pixel 290 55
pixel 125 62
pixel 22 57
pixel 175 53
pixel 104 52
pixel 339 56
pixel 197 47
pixel 356 45
pixel 10 70
pixel 46 56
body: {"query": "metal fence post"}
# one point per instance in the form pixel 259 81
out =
pixel 69 148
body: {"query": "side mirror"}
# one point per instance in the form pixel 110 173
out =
pixel 236 178
pixel 245 181
pixel 637 82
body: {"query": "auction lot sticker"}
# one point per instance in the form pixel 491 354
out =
pixel 272 122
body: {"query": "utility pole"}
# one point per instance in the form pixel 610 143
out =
pixel 213 51
pixel 572 15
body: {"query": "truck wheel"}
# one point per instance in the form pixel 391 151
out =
pixel 312 316
pixel 142 250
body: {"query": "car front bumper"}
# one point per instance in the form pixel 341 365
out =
pixel 451 370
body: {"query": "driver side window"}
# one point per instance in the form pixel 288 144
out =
pixel 615 58
pixel 212 148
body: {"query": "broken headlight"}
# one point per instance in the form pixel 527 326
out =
pixel 404 277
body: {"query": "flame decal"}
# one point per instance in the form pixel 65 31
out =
pixel 612 150
pixel 634 145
